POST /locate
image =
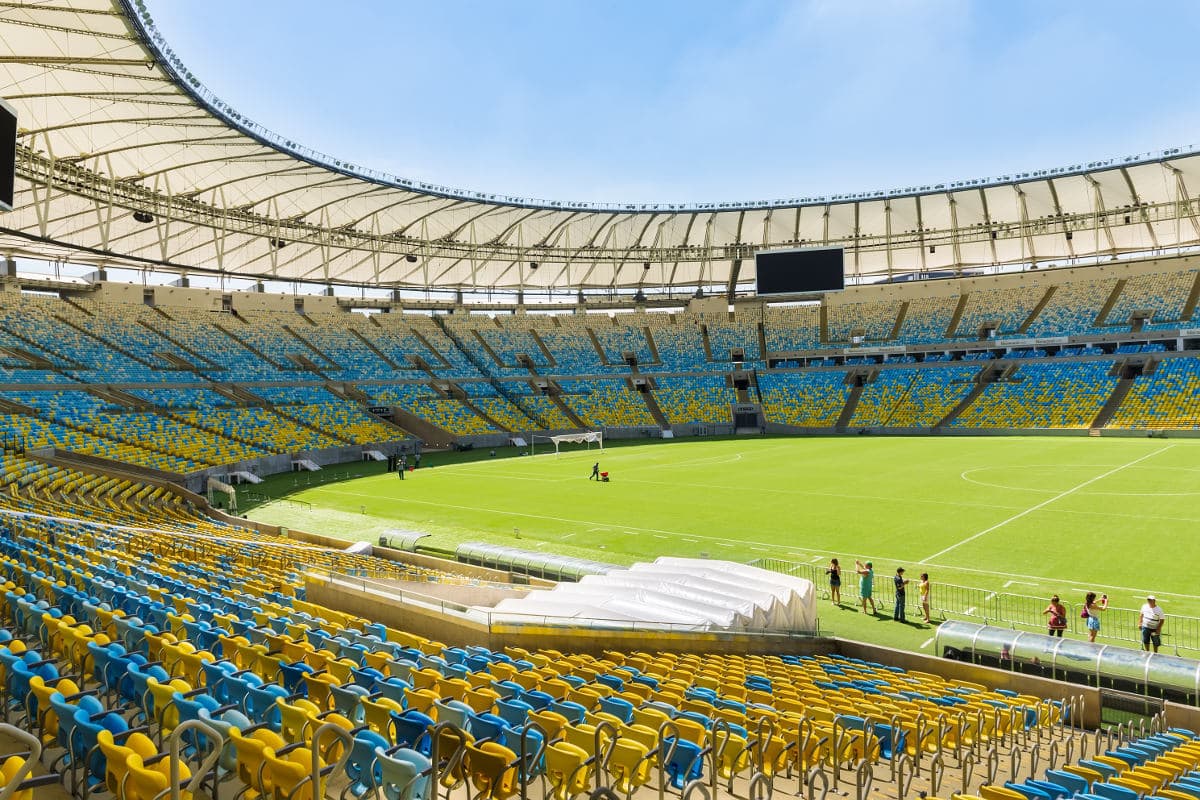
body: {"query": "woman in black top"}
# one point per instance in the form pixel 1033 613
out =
pixel 835 582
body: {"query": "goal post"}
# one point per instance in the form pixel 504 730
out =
pixel 587 438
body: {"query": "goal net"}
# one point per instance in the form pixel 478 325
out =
pixel 568 442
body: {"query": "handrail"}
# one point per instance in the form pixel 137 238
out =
pixel 937 770
pixel 523 772
pixel 904 775
pixel 992 764
pixel 864 779
pixel 966 769
pixel 760 787
pixel 602 762
pixel 174 745
pixel 35 754
pixel 817 771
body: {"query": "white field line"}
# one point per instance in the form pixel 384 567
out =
pixel 1046 502
pixel 658 533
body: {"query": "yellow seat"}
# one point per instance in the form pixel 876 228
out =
pixel 568 770
pixel 290 771
pixel 999 793
pixel 628 763
pixel 492 770
pixel 251 765
pixel 152 781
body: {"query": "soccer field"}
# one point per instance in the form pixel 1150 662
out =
pixel 1027 515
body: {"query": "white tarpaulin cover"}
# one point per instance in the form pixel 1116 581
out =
pixel 689 593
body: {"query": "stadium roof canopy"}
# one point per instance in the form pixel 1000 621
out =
pixel 124 158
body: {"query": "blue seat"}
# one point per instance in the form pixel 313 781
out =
pixel 404 774
pixel 362 765
pixel 1074 784
pixel 1113 792
pixel 489 727
pixel 536 700
pixel 619 707
pixel 574 712
pixel 411 729
pixel 684 763
pixel 514 712
pixel 1031 792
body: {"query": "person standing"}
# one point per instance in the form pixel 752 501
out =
pixel 901 583
pixel 1150 620
pixel 835 581
pixel 595 472
pixel 866 585
pixel 403 467
pixel 1058 617
pixel 417 460
pixel 924 586
pixel 1091 612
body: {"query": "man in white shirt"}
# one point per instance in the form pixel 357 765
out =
pixel 1151 620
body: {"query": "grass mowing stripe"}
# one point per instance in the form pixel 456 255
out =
pixel 1044 503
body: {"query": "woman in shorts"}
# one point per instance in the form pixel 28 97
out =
pixel 835 581
pixel 1091 612
pixel 924 586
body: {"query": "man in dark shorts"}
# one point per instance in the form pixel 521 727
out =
pixel 595 476
pixel 1150 620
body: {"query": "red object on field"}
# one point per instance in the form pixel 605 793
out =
pixel 604 475
pixel 412 469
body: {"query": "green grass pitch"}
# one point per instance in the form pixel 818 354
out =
pixel 1026 515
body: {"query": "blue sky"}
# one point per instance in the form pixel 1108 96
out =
pixel 639 101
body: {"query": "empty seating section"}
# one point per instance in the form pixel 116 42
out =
pixel 493 347
pixel 617 337
pixel 1169 398
pixel 875 321
pixel 725 335
pixel 804 399
pixel 1043 395
pixel 334 338
pixel 34 432
pixel 702 400
pixel 262 426
pixel 174 358
pixel 574 353
pixel 680 345
pixel 1162 294
pixel 268 333
pixel 1003 309
pixel 1073 308
pixel 930 396
pixel 792 327
pixel 606 403
pixel 927 319
pixel 183 398
pixel 397 340
pixel 132 609
pixel 547 411
pixel 202 332
pixel 453 362
pixel 505 414
pixel 513 338
pixel 36 325
pixel 447 413
pixel 316 407
pixel 119 323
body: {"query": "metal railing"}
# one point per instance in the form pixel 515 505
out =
pixel 954 601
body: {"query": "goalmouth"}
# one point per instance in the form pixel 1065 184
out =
pixel 586 438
